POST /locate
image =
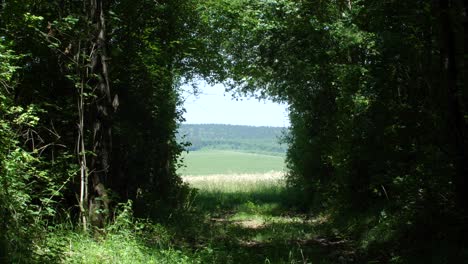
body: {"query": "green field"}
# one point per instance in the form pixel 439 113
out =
pixel 206 162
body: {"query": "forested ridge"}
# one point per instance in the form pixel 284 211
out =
pixel 90 104
pixel 233 137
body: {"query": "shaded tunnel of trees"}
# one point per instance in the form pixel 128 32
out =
pixel 377 92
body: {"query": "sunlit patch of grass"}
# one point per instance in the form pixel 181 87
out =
pixel 125 240
pixel 230 183
pixel 124 247
pixel 223 193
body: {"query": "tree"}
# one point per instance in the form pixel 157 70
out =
pixel 376 127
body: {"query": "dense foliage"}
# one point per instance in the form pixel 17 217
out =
pixel 377 94
pixel 89 110
pixel 377 91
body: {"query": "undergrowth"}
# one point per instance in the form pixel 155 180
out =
pixel 239 222
pixel 126 240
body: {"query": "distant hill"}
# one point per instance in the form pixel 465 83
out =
pixel 233 137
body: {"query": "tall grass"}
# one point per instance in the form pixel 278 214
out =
pixel 229 183
pixel 226 192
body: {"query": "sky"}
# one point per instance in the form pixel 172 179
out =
pixel 214 106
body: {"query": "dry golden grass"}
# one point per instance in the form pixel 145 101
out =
pixel 236 182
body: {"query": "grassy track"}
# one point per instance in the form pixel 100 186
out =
pixel 246 218
pixel 206 162
pixel 230 219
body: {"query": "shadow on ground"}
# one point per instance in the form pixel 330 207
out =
pixel 255 227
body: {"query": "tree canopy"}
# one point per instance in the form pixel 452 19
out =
pixel 377 92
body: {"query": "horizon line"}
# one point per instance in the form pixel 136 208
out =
pixel 185 123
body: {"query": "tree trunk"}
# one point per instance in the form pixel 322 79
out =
pixel 102 116
pixel 452 60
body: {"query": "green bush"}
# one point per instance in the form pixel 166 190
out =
pixel 29 188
